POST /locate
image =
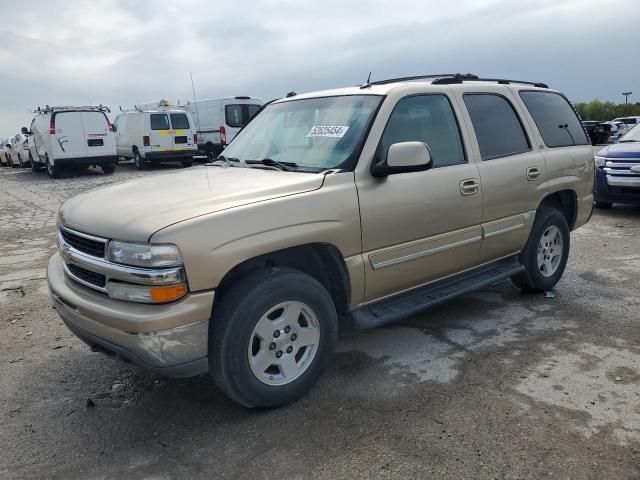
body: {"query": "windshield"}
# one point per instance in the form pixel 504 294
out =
pixel 317 133
pixel 632 135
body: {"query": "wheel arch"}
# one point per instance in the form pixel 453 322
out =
pixel 564 200
pixel 323 262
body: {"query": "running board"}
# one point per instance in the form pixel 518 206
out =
pixel 419 299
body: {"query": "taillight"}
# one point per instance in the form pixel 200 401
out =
pixel 146 141
pixel 223 136
pixel 52 125
pixel 195 138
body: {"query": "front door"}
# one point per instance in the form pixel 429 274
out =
pixel 418 227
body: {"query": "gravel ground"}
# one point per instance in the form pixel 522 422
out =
pixel 495 384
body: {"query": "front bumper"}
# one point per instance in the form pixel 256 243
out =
pixel 623 193
pixel 169 339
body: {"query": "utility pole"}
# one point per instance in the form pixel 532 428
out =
pixel 626 97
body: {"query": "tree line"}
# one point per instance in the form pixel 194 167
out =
pixel 604 111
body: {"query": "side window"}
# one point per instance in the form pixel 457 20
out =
pixel 498 129
pixel 556 119
pixel 159 121
pixel 429 119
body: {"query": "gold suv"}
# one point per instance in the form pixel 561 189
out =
pixel 368 204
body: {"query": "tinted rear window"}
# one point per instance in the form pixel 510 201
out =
pixel 498 129
pixel 238 114
pixel 179 121
pixel 159 121
pixel 558 123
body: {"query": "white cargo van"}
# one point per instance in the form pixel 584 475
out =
pixel 218 120
pixel 71 137
pixel 156 134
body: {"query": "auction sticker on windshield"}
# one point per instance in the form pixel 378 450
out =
pixel 335 131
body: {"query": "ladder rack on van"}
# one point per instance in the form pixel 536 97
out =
pixel 95 108
pixel 453 78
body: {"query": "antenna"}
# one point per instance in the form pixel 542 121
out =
pixel 195 102
pixel 367 84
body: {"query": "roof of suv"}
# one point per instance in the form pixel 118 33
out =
pixel 383 87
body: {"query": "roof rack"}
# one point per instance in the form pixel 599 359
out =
pixel 408 79
pixel 453 78
pixel 48 109
pixel 458 78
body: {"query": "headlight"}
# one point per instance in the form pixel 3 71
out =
pixel 144 254
pixel 600 161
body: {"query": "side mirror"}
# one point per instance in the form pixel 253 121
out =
pixel 24 131
pixel 404 157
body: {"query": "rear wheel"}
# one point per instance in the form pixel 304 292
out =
pixel 108 169
pixel 546 252
pixel 138 161
pixel 187 163
pixel 52 170
pixel 35 166
pixel 271 350
pixel 604 204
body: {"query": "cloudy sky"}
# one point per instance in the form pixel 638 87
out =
pixel 121 52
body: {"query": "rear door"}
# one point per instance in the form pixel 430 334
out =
pixel 181 131
pixel 161 136
pixel 236 115
pixel 99 138
pixel 69 139
pixel 512 170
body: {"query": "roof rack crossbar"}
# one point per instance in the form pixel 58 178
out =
pixel 503 81
pixel 48 108
pixel 422 77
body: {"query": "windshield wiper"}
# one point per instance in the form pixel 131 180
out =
pixel 285 166
pixel 222 158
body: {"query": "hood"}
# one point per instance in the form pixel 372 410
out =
pixel 621 150
pixel 134 210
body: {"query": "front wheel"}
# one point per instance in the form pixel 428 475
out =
pixel 35 166
pixel 271 336
pixel 546 252
pixel 108 169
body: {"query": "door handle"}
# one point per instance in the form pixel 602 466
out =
pixel 470 186
pixel 533 173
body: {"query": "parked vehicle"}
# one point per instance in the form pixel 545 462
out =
pixel 156 134
pixel 369 203
pixel 597 131
pixel 19 152
pixel 5 146
pixel 630 122
pixel 218 120
pixel 72 137
pixel 618 171
pixel 617 129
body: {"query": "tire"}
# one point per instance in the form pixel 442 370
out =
pixel 233 340
pixel 544 265
pixel 138 161
pixel 13 165
pixel 35 166
pixel 108 169
pixel 52 170
pixel 187 163
pixel 210 156
pixel 20 162
pixel 603 205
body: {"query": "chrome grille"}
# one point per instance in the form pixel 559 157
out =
pixel 87 276
pixel 622 172
pixel 84 243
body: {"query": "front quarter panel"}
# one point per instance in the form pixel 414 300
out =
pixel 212 245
